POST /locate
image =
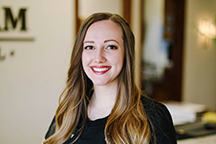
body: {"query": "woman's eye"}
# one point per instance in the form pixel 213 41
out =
pixel 112 47
pixel 88 47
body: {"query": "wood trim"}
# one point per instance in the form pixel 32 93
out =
pixel 77 21
pixel 140 40
pixel 127 10
pixel 179 46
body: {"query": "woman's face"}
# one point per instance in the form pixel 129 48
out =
pixel 103 52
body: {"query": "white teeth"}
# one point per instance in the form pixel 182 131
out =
pixel 100 69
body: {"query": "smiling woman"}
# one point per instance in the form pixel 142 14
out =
pixel 101 102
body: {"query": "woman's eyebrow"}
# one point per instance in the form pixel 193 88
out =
pixel 88 42
pixel 111 40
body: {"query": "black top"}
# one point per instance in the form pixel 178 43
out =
pixel 162 128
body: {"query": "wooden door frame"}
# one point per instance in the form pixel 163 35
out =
pixel 126 4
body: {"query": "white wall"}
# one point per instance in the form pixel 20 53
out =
pixel 32 80
pixel 199 84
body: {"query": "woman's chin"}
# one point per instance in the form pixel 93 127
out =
pixel 99 83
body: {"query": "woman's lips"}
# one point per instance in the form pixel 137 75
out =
pixel 100 69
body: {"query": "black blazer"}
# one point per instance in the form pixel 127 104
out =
pixel 161 125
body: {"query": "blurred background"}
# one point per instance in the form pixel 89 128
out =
pixel 175 55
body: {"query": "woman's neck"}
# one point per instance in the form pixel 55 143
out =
pixel 102 101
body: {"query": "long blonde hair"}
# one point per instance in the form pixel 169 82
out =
pixel 128 122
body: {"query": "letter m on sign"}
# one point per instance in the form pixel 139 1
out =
pixel 14 20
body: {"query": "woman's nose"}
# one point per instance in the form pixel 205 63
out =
pixel 100 56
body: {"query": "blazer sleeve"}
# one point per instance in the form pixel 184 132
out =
pixel 161 124
pixel 164 129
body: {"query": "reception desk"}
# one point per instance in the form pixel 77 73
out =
pixel 196 133
pixel 191 123
pixel 210 139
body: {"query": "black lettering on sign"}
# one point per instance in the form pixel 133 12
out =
pixel 10 18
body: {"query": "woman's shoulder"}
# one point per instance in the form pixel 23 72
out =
pixel 160 121
pixel 154 108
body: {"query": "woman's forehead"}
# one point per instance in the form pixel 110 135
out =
pixel 105 29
